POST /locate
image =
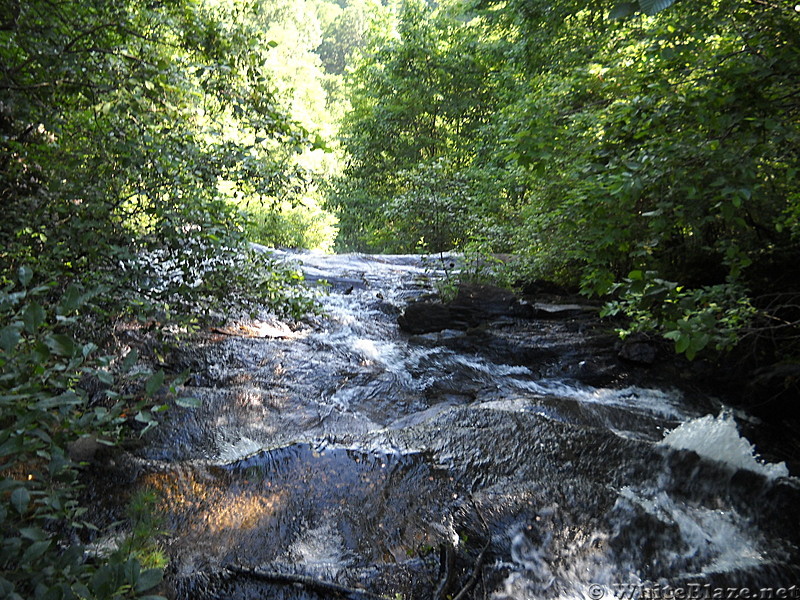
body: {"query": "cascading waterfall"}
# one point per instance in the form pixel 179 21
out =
pixel 346 451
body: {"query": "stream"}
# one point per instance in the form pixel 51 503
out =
pixel 511 460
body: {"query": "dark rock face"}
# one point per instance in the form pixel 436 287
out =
pixel 476 304
pixel 426 317
pixel 639 350
pixel 473 305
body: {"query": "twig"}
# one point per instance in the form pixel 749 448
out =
pixel 476 571
pixel 316 585
pixel 447 559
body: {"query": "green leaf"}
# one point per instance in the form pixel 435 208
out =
pixel 132 571
pixel 34 534
pixel 623 10
pixel 61 344
pixel 20 498
pixel 144 416
pixel 636 275
pixel 682 343
pixel 699 342
pixel 651 7
pixel 180 380
pixel 33 317
pixel 129 360
pixel 34 551
pixel 149 579
pixel 155 381
pixel 189 402
pixel 25 274
pixel 102 581
pixel 71 301
pixel 9 338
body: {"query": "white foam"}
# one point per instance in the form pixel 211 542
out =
pixel 717 438
pixel 716 541
pixel 321 549
pixel 661 403
pixel 232 451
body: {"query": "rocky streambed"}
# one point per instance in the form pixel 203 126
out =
pixel 490 448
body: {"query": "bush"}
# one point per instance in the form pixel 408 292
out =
pixel 46 409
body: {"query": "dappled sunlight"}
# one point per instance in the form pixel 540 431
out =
pixel 200 502
pixel 261 329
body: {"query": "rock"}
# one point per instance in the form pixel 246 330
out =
pixel 484 301
pixel 426 317
pixel 638 349
pixel 473 305
pixel 542 310
pixel 541 287
pixel 85 449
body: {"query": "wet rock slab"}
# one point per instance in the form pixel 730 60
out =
pixel 496 444
pixel 556 506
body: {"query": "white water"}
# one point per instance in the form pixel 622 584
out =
pixel 717 438
pixel 355 377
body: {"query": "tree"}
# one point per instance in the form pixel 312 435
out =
pixel 117 125
pixel 419 98
pixel 667 156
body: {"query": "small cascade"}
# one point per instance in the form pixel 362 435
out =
pixel 349 452
pixel 717 438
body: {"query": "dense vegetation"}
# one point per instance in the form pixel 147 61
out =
pixel 644 152
pixel 645 155
pixel 131 134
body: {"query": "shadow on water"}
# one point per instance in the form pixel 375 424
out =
pixel 474 462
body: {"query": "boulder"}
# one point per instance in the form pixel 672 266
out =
pixel 426 317
pixel 473 305
pixel 484 301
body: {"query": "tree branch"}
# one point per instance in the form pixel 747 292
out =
pixel 316 585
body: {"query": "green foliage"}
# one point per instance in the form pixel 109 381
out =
pixel 648 7
pixel 119 123
pixel 126 129
pixel 46 411
pixel 668 150
pixel 279 285
pixel 594 146
pixel 346 33
pixel 415 179
pixel 697 320
pixel 477 264
pixel 284 225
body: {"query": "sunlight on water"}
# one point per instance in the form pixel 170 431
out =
pixel 350 451
pixel 322 549
pixel 662 403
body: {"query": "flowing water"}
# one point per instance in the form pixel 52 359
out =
pixel 493 461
